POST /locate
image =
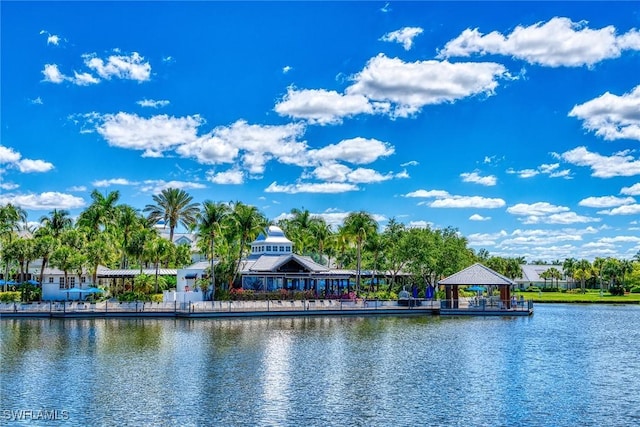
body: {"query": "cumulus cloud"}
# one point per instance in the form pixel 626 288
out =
pixel 112 181
pixel 552 170
pixel 12 159
pixel 618 164
pixel 51 38
pixel 8 185
pixel 84 79
pixel 356 151
pixel 546 213
pixel 634 190
pixel 606 201
pixel 622 210
pixel 131 67
pixel 231 176
pixel 319 106
pixel 611 116
pixel 475 178
pixel 155 186
pixel 324 187
pixel 286 69
pixel 427 193
pixel 477 217
pixel 559 42
pixel 403 36
pixel 467 202
pixel 411 85
pixel 152 103
pixel 153 135
pixel 52 74
pixel 43 201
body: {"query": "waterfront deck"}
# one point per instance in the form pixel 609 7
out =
pixel 225 309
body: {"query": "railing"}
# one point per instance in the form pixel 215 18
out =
pixel 110 307
pixel 487 304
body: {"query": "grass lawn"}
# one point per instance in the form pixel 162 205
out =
pixel 590 297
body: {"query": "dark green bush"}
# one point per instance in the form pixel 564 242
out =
pixel 616 291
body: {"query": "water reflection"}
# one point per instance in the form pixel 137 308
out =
pixel 564 366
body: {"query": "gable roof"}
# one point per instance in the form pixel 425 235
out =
pixel 271 263
pixel 477 274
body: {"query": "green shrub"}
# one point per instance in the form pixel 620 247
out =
pixel 156 298
pixel 616 291
pixel 635 290
pixel 9 296
pixel 532 289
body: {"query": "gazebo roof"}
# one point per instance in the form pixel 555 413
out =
pixel 477 274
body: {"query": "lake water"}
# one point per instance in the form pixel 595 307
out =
pixel 567 365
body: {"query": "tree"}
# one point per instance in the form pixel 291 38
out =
pixel 357 226
pixel 101 213
pixel 174 207
pixel 582 271
pixel 158 250
pixel 626 267
pixel 569 267
pixel 45 245
pixel 210 221
pixel 57 221
pixel 10 218
pixel 246 222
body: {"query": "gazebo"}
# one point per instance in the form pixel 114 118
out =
pixel 479 275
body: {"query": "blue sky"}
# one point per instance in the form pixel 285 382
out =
pixel 516 123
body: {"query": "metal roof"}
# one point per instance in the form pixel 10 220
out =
pixel 477 274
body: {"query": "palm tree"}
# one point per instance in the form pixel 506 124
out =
pixel 248 222
pixel 45 245
pixel 101 213
pixel 57 221
pixel 358 225
pixel 127 220
pixel 174 207
pixel 626 267
pixel 210 220
pixel 10 218
pixel 582 272
pixel 569 266
pixel 158 250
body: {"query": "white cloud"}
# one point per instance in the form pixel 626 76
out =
pixel 475 178
pixel 325 187
pixel 611 116
pixel 286 69
pixel 468 202
pixel 113 181
pixel 43 201
pixel 333 172
pixel 486 239
pixel 231 176
pixel 14 160
pixel 152 103
pixel 618 164
pixel 606 201
pixel 420 224
pixel 51 38
pixel 477 217
pixel 427 193
pixel 28 166
pixel 548 169
pixel 322 106
pixel 364 175
pixel 356 151
pixel 154 135
pixel 157 185
pixel 536 209
pixel 37 101
pixel 84 79
pixel 410 163
pixel 412 85
pixel 8 186
pixel 77 188
pixel 52 74
pixel 132 67
pixel 623 210
pixel 562 218
pixel 634 190
pixel 403 36
pixel 558 42
pixel 8 155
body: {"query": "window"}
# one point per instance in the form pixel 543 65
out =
pixel 83 280
pixel 61 281
pixel 288 248
pixel 268 248
pixel 72 282
pixel 50 279
pixel 281 248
